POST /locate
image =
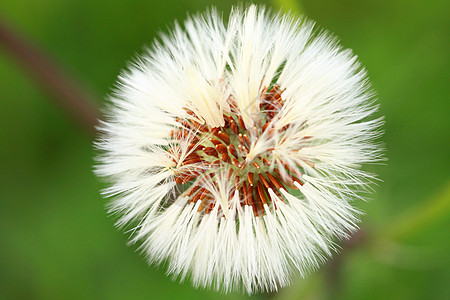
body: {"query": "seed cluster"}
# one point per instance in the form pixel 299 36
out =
pixel 227 147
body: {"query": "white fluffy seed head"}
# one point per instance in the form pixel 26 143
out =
pixel 234 149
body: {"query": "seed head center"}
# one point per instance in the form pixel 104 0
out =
pixel 227 151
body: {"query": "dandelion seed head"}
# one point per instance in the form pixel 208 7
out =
pixel 234 149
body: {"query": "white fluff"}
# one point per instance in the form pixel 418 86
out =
pixel 327 99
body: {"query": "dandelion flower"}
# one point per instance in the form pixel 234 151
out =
pixel 234 149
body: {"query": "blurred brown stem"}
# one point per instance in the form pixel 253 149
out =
pixel 77 102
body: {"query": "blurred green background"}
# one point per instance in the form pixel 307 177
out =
pixel 57 241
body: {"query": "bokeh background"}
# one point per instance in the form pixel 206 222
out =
pixel 56 241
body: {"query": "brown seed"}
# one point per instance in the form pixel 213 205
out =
pixel 246 139
pixel 227 121
pixel 211 151
pixel 230 172
pixel 204 194
pixel 233 125
pixel 245 193
pixel 297 180
pixel 271 109
pixel 189 178
pixel 232 103
pixel 184 124
pixel 199 126
pixel 192 161
pixel 243 149
pixel 194 125
pixel 261 194
pixel 264 180
pixel 253 201
pixel 236 162
pixel 250 178
pixel 192 155
pixel 223 136
pixel 292 170
pixel 246 149
pixel 288 182
pixel 210 207
pixel 275 181
pixel 221 148
pixel 197 196
pixel 241 139
pixel 225 158
pixel 194 147
pixel 278 172
pixel 215 130
pixel 278 102
pixel 214 163
pixel 277 95
pixel 189 112
pixel 202 205
pixel 256 165
pixel 178 179
pixel 255 209
pixel 263 93
pixel 215 142
pixel 195 140
pixel 232 150
pixel 193 189
pixel 265 126
pixel 250 195
pixel 266 161
pixel 236 183
pixel 241 123
pixel 274 189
